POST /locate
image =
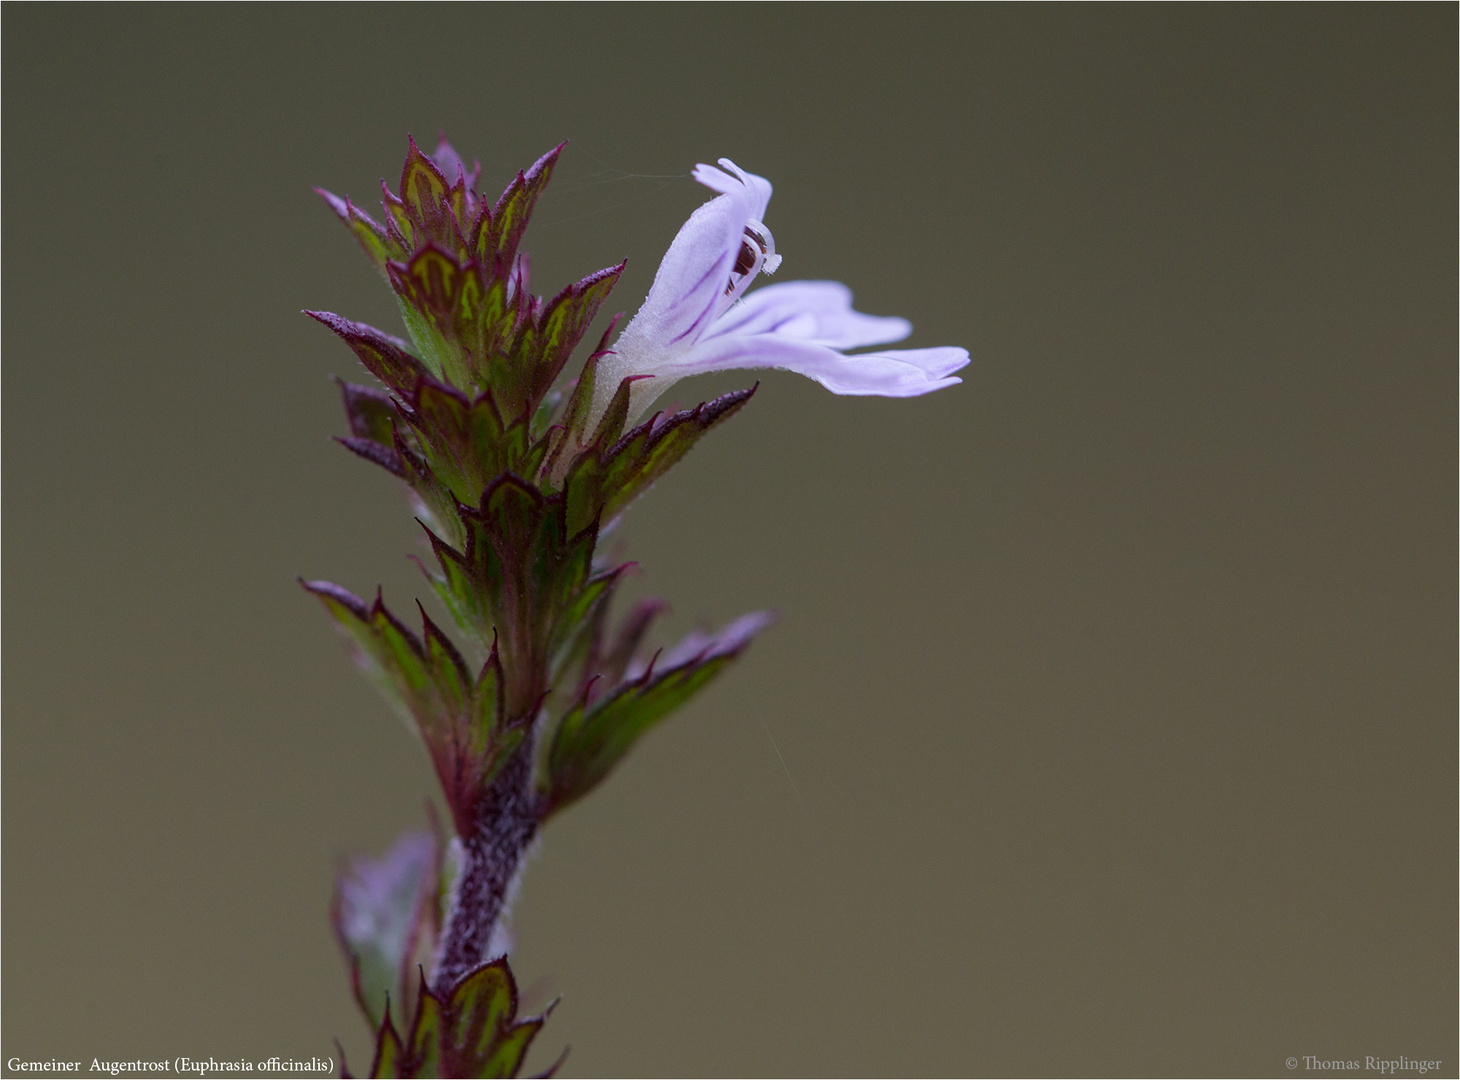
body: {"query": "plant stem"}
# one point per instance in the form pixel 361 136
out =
pixel 506 821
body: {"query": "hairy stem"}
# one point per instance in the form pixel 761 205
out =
pixel 506 821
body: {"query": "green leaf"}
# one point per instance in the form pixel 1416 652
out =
pixel 428 288
pixel 577 607
pixel 384 357
pixel 448 670
pixel 398 224
pixel 427 1038
pixel 512 512
pixel 371 413
pixel 651 449
pixel 385 649
pixel 440 414
pixel 499 233
pixel 390 1054
pixel 603 481
pixel 436 351
pixel 427 680
pixel 427 200
pixel 372 238
pixel 591 739
pixel 484 1038
pixel 612 661
pixel 545 348
pixel 434 276
pixel 489 711
pixel 471 1030
pixel 466 583
pixel 511 1049
pixel 481 1006
pixel 435 497
pixel 484 322
pixel 465 442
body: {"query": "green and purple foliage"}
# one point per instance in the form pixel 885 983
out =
pixel 513 472
pixel 511 490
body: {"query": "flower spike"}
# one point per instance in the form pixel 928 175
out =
pixel 530 691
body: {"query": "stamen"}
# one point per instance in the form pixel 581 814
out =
pixel 757 253
pixel 745 262
pixel 767 243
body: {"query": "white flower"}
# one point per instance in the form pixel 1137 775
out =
pixel 694 319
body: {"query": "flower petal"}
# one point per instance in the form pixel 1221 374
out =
pixel 757 187
pixel 818 311
pixel 896 373
pixel 937 363
pixel 695 270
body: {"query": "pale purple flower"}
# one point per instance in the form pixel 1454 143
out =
pixel 697 318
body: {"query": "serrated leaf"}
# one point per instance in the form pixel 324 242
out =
pixel 546 345
pixel 610 660
pixel 426 196
pixel 591 740
pixel 484 324
pixel 580 393
pixel 464 584
pixel 468 1030
pixel 426 1037
pixel 390 1054
pixel 493 447
pixel 440 410
pixel 482 1004
pixel 486 1038
pixel 373 452
pixel 371 412
pixel 603 482
pixel 466 442
pixel 427 680
pixel 383 356
pixel 510 1051
pixel 577 606
pixel 512 511
pixel 398 224
pixel 496 243
pixel 489 709
pixel 436 499
pixel 386 650
pixel 433 278
pixel 650 450
pixel 373 238
pixel 448 670
pixel 440 414
pixel 428 288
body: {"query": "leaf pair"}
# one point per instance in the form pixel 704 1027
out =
pixel 522 574
pixel 461 281
pixel 462 720
pixel 596 733
pixel 470 1031
pixel 612 470
pixel 431 208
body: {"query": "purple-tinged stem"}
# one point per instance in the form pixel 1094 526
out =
pixel 506 821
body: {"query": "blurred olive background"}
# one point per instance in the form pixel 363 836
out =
pixel 1110 725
